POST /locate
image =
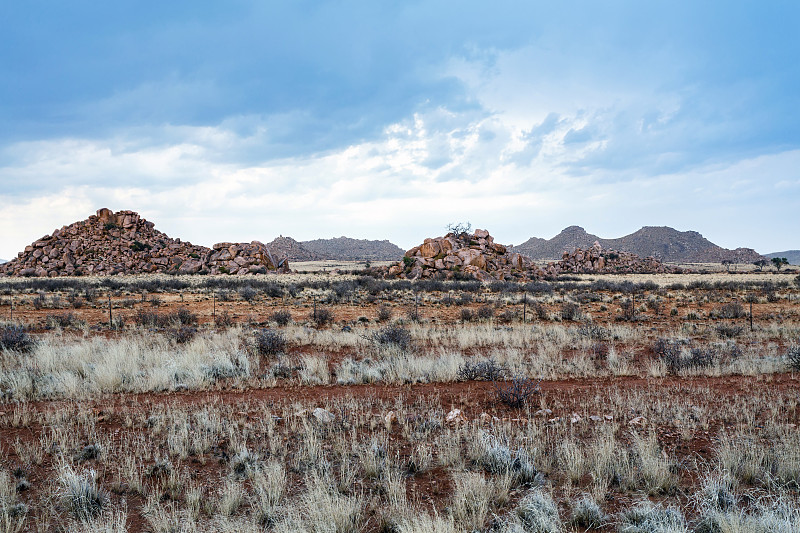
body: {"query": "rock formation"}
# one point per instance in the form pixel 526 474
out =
pixel 293 250
pixel 597 260
pixel 475 255
pixel 478 256
pixel 347 249
pixel 124 243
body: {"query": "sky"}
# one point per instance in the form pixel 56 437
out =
pixel 245 120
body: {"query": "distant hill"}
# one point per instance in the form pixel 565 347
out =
pixel 664 243
pixel 793 256
pixel 3 261
pixel 347 249
pixel 293 250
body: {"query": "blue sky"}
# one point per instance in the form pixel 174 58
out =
pixel 246 120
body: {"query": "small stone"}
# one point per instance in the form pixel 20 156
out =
pixel 323 415
pixel 638 421
pixel 455 416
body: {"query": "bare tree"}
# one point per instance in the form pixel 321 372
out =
pixel 459 228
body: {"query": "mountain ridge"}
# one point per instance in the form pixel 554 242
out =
pixel 793 256
pixel 662 242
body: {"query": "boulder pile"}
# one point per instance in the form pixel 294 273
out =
pixel 124 243
pixel 597 260
pixel 478 256
pixel 475 255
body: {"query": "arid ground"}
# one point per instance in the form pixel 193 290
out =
pixel 341 402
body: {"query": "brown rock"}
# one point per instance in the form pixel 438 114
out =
pixel 430 249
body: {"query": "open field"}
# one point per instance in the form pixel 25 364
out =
pixel 340 402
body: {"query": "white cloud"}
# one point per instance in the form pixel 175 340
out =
pixel 388 188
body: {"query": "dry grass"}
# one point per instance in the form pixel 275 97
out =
pixel 130 430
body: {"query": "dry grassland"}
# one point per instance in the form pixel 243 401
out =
pixel 342 403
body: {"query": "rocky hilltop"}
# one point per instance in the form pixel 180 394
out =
pixel 124 243
pixel 664 243
pixel 293 250
pixel 347 249
pixel 337 249
pixel 478 256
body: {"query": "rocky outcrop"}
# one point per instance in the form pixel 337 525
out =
pixel 597 260
pixel 478 256
pixel 347 249
pixel 242 258
pixel 293 250
pixel 475 255
pixel 124 243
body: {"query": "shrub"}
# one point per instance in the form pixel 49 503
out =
pixel 321 317
pixel 570 311
pixel 63 320
pixel 270 342
pixel 507 316
pixel 384 313
pixel 729 331
pixel 464 299
pixel 485 312
pixel 793 356
pixel 594 331
pixel 670 352
pixel 517 392
pixel 282 317
pixel 184 334
pixel 466 314
pixel 185 317
pixel 248 293
pixel 39 301
pixel 701 358
pixel 730 310
pixel 628 311
pixel 393 336
pixel 223 320
pixel 14 338
pixel 487 370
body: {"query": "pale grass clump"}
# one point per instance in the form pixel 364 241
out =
pixel 654 470
pixel 586 513
pixel 397 366
pixel 12 513
pixel 322 509
pixel 535 513
pixel 78 367
pixel 425 523
pixel 609 462
pixel 269 488
pixel 314 370
pixel 113 522
pixel 81 494
pixel 646 517
pixel 572 459
pixel 472 500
